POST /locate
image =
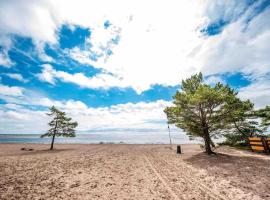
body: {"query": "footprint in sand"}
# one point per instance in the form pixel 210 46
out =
pixel 77 184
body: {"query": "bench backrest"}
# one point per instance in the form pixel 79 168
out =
pixel 257 144
pixel 267 142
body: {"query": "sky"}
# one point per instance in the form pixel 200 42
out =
pixel 115 65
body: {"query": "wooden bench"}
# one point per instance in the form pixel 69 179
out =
pixel 258 144
pixel 267 143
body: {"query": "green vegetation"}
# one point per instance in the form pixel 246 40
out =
pixel 61 125
pixel 264 114
pixel 243 123
pixel 208 112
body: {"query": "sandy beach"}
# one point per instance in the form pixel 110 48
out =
pixel 76 171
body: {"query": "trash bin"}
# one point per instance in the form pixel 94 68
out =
pixel 178 150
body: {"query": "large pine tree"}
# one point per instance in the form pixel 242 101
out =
pixel 201 110
pixel 61 125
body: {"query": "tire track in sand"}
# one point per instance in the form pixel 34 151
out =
pixel 185 182
pixel 169 189
pixel 188 177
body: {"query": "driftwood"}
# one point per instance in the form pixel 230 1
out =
pixel 27 149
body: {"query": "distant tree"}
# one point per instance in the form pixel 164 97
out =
pixel 243 122
pixel 201 110
pixel 61 125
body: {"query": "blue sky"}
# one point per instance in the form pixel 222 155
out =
pixel 117 69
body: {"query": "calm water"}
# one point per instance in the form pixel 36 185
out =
pixel 118 137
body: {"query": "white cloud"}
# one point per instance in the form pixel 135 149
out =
pixel 44 101
pixel 122 116
pixel 258 92
pixel 12 106
pixel 82 56
pixel 214 80
pixel 5 60
pixel 105 81
pixel 153 43
pixel 30 19
pixel 18 77
pixel 160 42
pixel 226 11
pixel 22 120
pixel 99 81
pixel 163 49
pixel 41 52
pixel 10 91
pixel 47 74
pixel 241 47
pixel 25 111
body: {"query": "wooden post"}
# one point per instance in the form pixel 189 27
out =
pixel 178 150
pixel 170 135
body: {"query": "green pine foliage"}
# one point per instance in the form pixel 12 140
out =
pixel 61 125
pixel 264 114
pixel 243 123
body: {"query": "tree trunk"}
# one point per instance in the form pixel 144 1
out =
pixel 52 142
pixel 212 143
pixel 54 133
pixel 207 141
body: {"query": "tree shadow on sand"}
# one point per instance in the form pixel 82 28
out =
pixel 44 151
pixel 250 174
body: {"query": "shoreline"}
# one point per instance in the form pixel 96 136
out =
pixel 141 138
pixel 101 143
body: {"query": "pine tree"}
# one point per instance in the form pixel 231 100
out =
pixel 61 125
pixel 201 110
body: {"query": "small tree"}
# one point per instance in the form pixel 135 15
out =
pixel 60 125
pixel 201 110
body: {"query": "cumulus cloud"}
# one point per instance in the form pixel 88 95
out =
pixel 241 47
pixel 214 79
pixel 5 60
pixel 226 11
pixel 151 48
pixel 47 74
pixel 30 19
pixel 18 77
pixel 46 102
pixel 105 81
pixel 99 81
pixel 10 91
pixel 149 42
pixel 258 92
pixel 123 116
pixel 24 109
pixel 22 120
pixel 132 116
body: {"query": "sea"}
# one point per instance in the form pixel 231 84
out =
pixel 104 137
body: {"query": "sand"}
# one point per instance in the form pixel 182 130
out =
pixel 131 172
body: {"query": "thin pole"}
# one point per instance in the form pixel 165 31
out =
pixel 170 135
